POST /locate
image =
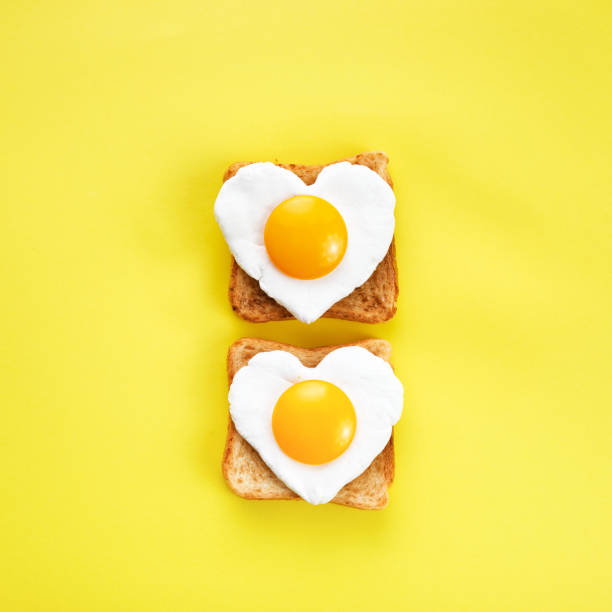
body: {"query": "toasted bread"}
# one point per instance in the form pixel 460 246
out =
pixel 249 477
pixel 373 302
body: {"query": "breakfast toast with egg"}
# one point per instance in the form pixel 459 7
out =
pixel 373 302
pixel 249 477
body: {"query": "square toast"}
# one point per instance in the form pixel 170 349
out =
pixel 373 302
pixel 249 477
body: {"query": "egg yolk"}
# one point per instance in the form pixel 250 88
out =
pixel 314 422
pixel 305 237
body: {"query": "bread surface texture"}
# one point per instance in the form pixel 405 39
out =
pixel 249 477
pixel 373 302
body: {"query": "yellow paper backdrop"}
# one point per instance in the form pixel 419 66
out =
pixel 117 121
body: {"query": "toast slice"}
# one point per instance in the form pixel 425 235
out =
pixel 249 477
pixel 374 302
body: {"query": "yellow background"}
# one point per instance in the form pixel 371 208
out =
pixel 117 121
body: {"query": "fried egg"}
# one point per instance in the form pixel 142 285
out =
pixel 316 428
pixel 307 245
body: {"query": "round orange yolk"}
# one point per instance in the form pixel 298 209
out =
pixel 305 237
pixel 313 422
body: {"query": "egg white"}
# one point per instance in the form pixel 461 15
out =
pixel 362 197
pixel 369 382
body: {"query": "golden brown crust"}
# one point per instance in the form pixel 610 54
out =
pixel 249 477
pixel 373 302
